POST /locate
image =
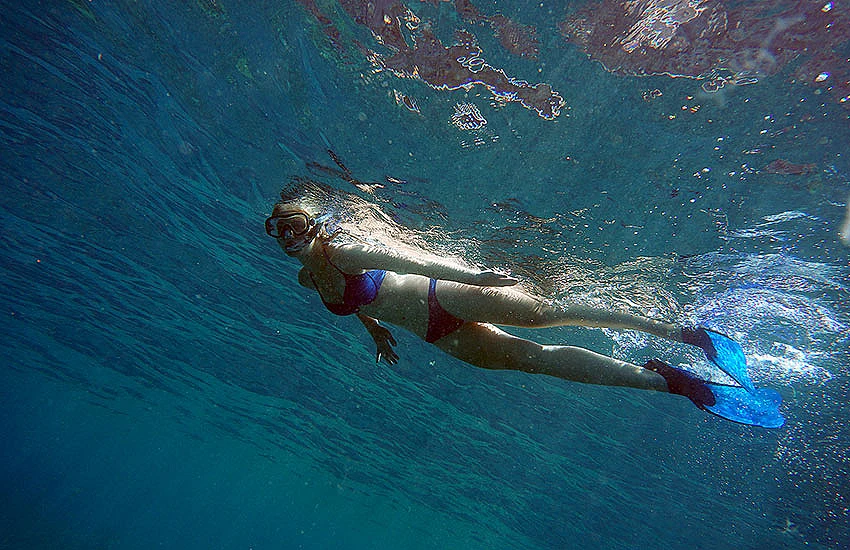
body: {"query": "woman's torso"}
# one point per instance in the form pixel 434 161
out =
pixel 401 299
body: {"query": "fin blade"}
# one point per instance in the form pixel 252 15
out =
pixel 759 407
pixel 730 359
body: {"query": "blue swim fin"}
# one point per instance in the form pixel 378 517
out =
pixel 721 350
pixel 759 407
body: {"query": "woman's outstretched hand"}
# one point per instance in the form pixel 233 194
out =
pixel 491 278
pixel 384 341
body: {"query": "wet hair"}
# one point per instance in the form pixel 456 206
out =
pixel 302 194
pixel 346 216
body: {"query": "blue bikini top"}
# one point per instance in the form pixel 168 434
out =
pixel 359 290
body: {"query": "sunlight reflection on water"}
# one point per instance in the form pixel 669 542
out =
pixel 783 310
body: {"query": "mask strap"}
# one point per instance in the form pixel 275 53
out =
pixel 321 224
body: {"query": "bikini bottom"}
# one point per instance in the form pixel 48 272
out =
pixel 440 322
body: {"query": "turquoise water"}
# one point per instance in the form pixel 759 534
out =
pixel 166 383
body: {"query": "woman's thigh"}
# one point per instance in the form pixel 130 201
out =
pixel 489 347
pixel 496 305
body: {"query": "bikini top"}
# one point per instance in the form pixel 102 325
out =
pixel 359 290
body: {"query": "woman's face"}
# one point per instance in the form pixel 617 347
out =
pixel 291 226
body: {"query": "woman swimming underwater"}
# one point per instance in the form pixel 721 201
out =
pixel 457 308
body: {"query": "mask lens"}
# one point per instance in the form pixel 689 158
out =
pixel 299 224
pixel 296 222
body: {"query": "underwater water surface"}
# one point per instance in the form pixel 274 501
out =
pixel 166 382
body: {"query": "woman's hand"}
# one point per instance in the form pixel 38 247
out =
pixel 491 278
pixel 384 341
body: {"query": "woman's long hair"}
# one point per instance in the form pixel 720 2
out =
pixel 346 217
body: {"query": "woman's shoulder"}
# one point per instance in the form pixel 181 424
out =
pixel 347 247
pixel 344 255
pixel 353 257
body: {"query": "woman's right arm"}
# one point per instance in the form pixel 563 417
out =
pixel 353 258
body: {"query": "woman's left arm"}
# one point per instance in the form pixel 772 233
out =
pixel 357 257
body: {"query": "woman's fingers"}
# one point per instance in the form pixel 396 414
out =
pixel 491 278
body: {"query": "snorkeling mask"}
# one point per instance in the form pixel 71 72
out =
pixel 296 223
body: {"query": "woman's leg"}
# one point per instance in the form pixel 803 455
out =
pixel 488 347
pixel 507 306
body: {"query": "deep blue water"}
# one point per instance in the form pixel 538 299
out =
pixel 166 383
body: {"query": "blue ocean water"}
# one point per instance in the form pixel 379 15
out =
pixel 165 381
